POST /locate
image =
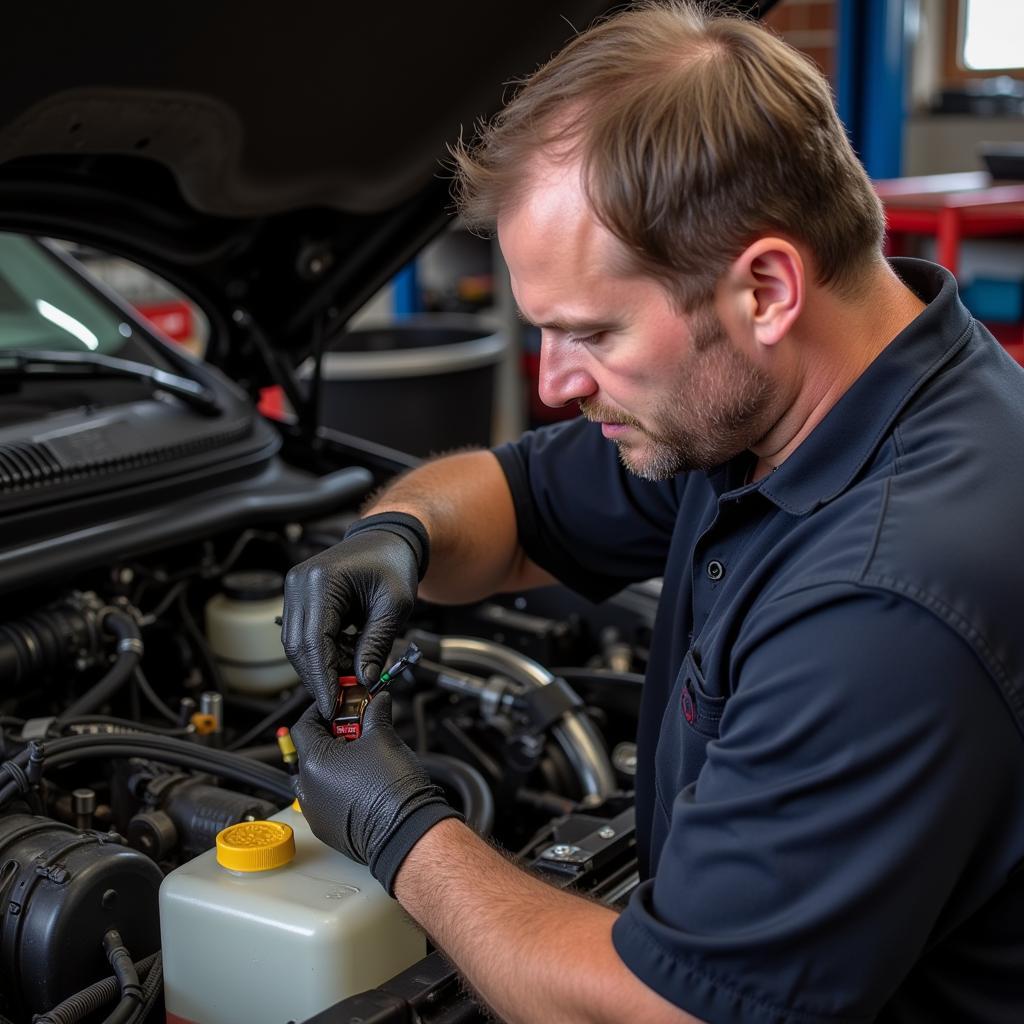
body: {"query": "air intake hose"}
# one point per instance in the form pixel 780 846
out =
pixel 66 633
pixel 129 653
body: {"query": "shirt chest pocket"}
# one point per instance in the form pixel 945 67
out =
pixel 691 719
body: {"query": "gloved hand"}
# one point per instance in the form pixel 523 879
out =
pixel 370 798
pixel 368 581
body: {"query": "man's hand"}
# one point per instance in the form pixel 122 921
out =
pixel 368 581
pixel 370 799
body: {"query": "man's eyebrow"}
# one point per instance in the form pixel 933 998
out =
pixel 568 326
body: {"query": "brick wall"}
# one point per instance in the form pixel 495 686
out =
pixel 810 26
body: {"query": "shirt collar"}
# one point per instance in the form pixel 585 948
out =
pixel 825 464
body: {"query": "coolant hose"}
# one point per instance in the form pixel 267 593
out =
pixel 575 733
pixel 129 652
pixel 472 789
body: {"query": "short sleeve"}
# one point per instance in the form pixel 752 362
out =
pixel 581 515
pixel 861 766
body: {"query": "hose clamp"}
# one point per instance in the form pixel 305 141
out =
pixel 130 645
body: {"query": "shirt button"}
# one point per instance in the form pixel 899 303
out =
pixel 715 570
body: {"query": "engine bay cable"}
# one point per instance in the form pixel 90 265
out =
pixel 129 652
pixel 166 749
pixel 127 977
pixel 83 1004
pixel 470 786
pixel 288 708
pixel 153 697
pixel 125 724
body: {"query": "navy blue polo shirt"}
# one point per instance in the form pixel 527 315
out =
pixel 830 792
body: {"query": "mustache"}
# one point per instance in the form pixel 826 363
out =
pixel 597 413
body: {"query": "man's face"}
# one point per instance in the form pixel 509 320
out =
pixel 673 391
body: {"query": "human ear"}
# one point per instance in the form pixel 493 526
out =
pixel 768 278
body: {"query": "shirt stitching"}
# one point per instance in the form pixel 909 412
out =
pixel 966 630
pixel 876 539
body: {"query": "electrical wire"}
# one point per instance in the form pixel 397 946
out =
pixel 286 709
pixel 168 599
pixel 153 697
pixel 213 672
pixel 211 571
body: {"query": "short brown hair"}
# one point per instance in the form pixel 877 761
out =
pixel 697 134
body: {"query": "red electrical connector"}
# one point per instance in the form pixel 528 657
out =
pixel 353 697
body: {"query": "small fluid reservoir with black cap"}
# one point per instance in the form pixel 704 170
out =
pixel 274 925
pixel 244 636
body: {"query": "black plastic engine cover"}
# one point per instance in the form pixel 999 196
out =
pixel 60 891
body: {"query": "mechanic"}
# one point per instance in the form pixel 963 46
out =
pixel 820 452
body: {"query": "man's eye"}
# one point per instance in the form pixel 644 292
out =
pixel 583 339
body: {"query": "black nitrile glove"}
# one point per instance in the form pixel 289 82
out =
pixel 370 798
pixel 368 581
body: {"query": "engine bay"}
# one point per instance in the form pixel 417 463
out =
pixel 143 712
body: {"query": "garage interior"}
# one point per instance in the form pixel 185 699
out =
pixel 273 359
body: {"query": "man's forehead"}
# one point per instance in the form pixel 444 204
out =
pixel 553 224
pixel 552 193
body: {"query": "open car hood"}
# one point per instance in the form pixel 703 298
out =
pixel 274 162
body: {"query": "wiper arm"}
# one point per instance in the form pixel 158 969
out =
pixel 56 365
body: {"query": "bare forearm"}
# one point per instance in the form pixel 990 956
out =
pixel 532 952
pixel 464 502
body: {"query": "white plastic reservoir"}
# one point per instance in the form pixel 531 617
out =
pixel 244 636
pixel 278 936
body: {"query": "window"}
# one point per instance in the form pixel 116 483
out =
pixel 984 37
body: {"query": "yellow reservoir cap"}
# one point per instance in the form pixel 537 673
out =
pixel 255 845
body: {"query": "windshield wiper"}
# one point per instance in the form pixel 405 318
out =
pixel 55 365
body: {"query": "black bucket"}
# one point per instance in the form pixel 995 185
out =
pixel 422 386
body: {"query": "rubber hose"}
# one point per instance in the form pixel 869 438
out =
pixel 123 1012
pixel 123 966
pixel 129 642
pixel 157 748
pixel 265 753
pixel 82 1004
pixel 471 787
pixel 151 989
pixel 259 776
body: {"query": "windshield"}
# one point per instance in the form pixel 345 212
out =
pixel 45 305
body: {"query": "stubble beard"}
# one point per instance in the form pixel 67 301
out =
pixel 719 405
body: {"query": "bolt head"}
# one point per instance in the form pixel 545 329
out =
pixel 606 833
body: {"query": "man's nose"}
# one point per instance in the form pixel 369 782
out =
pixel 564 377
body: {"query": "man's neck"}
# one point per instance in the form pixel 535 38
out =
pixel 839 339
